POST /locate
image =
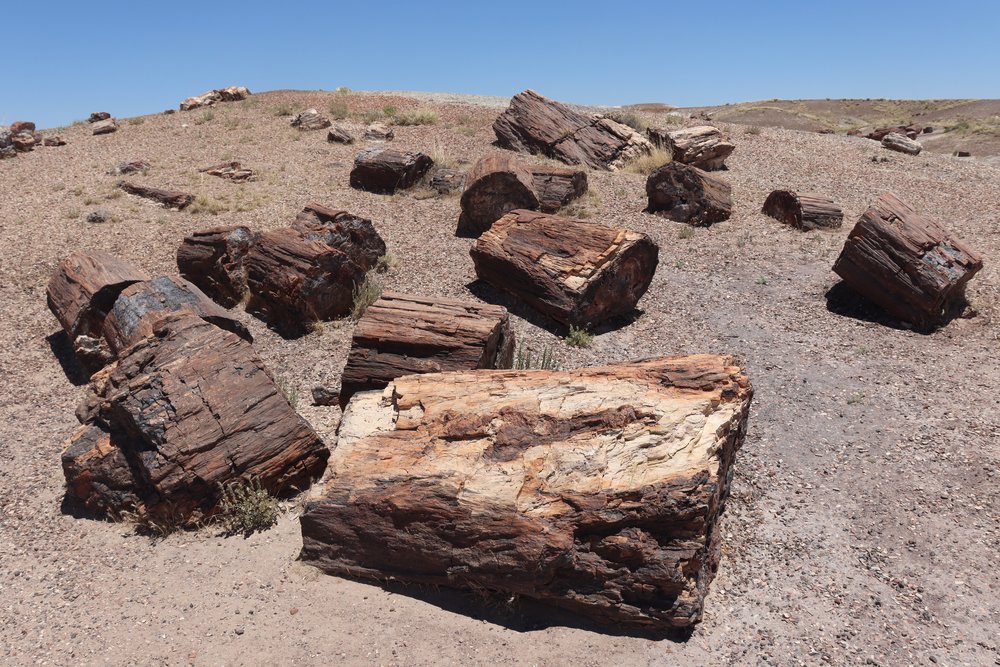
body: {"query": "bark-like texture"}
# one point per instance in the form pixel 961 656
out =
pixel 901 144
pixel 910 131
pixel 339 134
pixel 310 119
pixel 703 146
pixel 597 489
pixel 803 211
pixel 98 116
pixel 168 198
pixel 535 124
pixel 187 408
pixel 402 334
pixel 576 272
pixel 385 170
pixel 213 260
pixel 105 126
pixel 687 194
pixel 557 186
pixel 231 171
pixel 495 185
pixel 227 94
pixel 907 263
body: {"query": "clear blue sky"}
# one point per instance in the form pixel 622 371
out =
pixel 63 60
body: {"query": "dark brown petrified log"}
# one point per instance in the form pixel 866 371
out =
pixel 687 194
pixel 310 119
pixel 401 334
pixel 385 170
pixel 578 273
pixel 598 489
pixel 496 184
pixel 84 287
pixel 908 264
pixel 803 211
pixel 557 186
pixel 189 408
pixel 168 198
pixel 213 260
pixel 339 134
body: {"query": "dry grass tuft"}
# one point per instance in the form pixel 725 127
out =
pixel 246 508
pixel 420 116
pixel 365 295
pixel 647 164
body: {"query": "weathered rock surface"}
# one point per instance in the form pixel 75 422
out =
pixel 402 334
pixel 535 124
pixel 228 94
pixel 598 489
pixel 22 127
pixel 98 116
pixel 379 132
pixel 444 180
pixel 339 134
pixel 310 119
pixel 168 198
pixel 556 187
pixel 385 170
pixel 213 260
pixel 230 171
pixel 703 146
pixel 53 140
pixel 803 211
pixel 130 167
pixel 105 126
pixel 496 185
pixel 909 131
pixel 687 194
pixel 908 264
pixel 578 273
pixel 901 144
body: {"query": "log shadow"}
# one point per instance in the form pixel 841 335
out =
pixel 842 300
pixel 486 292
pixel 62 348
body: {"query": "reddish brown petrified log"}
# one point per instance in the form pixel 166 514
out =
pixel 227 94
pixel 168 198
pixel 598 489
pixel 190 408
pixel 496 184
pixel 557 186
pixel 339 134
pixel 213 260
pixel 907 263
pixel 401 334
pixel 231 171
pixel 576 272
pixel 687 194
pixel 385 170
pixel 803 211
pixel 98 473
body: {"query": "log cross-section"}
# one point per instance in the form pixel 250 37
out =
pixel 684 193
pixel 803 211
pixel 495 185
pixel 213 260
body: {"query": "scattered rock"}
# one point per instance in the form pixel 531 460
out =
pixel 105 126
pixel 98 116
pixel 99 216
pixel 385 170
pixel 687 194
pixel 230 171
pixel 379 132
pixel 324 396
pixel 803 211
pixel 310 119
pixel 228 94
pixel 53 140
pixel 962 154
pixel 130 167
pixel 703 146
pixel 339 134
pixel 909 131
pixel 444 180
pixel 901 144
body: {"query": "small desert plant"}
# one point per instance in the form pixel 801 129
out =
pixel 232 123
pixel 389 110
pixel 649 163
pixel 206 117
pixel 761 280
pixel 136 120
pixel 205 204
pixel 629 118
pixel 58 187
pixel 743 239
pixel 370 115
pixel 246 508
pixel 73 213
pixel 686 232
pixel 283 110
pixel 753 129
pixel 855 398
pixel 365 295
pixel 441 157
pixel 578 337
pixel 386 263
pixel 338 109
pixel 288 390
pixel 166 521
pixel 467 131
pixel 89 201
pixel 584 207
pixel 673 119
pixel 417 117
pixel 343 90
pixel 524 360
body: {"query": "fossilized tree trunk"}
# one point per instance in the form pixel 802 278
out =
pixel 496 184
pixel 557 186
pixel 385 170
pixel 703 146
pixel 598 489
pixel 901 144
pixel 803 211
pixel 401 334
pixel 687 194
pixel 576 272
pixel 907 263
pixel 213 260
pixel 168 198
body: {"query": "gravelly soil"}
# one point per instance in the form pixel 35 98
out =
pixel 863 525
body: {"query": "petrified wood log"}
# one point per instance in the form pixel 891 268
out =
pixel 231 171
pixel 445 180
pixel 339 134
pixel 557 186
pixel 213 260
pixel 495 185
pixel 385 170
pixel 535 124
pixel 98 116
pixel 907 263
pixel 910 131
pixel 22 126
pixel 168 198
pixel 310 119
pixel 190 408
pixel 687 194
pixel 105 126
pixel 345 231
pixel 703 146
pixel 130 167
pixel 803 211
pixel 901 144
pixel 227 94
pixel 578 273
pixel 85 286
pixel 598 489
pixel 23 142
pixel 141 307
pixel 401 334
pixel 98 473
pixel 379 132
pixel 53 140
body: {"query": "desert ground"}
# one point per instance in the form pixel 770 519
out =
pixel 864 521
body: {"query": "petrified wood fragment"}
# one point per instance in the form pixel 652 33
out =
pixel 901 144
pixel 84 287
pixel 496 184
pixel 213 260
pixel 339 134
pixel 227 94
pixel 803 211
pixel 703 146
pixel 687 194
pixel 168 198
pixel 576 272
pixel 231 171
pixel 597 489
pixel 908 264
pixel 557 186
pixel 98 473
pixel 105 126
pixel 401 334
pixel 385 170
pixel 310 119
pixel 98 116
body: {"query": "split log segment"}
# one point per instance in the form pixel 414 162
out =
pixel 339 134
pixel 402 334
pixel 445 180
pixel 213 260
pixel 910 131
pixel 98 473
pixel 687 194
pixel 228 94
pixel 578 273
pixel 168 198
pixel 84 288
pixel 598 490
pixel 231 171
pixel 140 308
pixel 556 187
pixel 310 119
pixel 901 144
pixel 379 132
pixel 53 140
pixel 535 124
pixel 345 231
pixel 703 146
pixel 495 185
pixel 906 263
pixel 385 170
pixel 105 126
pixel 98 116
pixel 803 211
pixel 191 408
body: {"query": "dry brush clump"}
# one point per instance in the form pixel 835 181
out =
pixel 246 508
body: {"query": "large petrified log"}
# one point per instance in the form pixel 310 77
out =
pixel 556 187
pixel 578 273
pixel 401 334
pixel 598 489
pixel 140 308
pixel 687 194
pixel 495 185
pixel 231 171
pixel 803 211
pixel 213 260
pixel 907 263
pixel 345 231
pixel 385 170
pixel 703 146
pixel 168 198
pixel 535 124
pixel 227 94
pixel 189 408
pixel 901 144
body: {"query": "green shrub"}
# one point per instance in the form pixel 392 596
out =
pixel 365 295
pixel 524 360
pixel 246 508
pixel 338 109
pixel 283 110
pixel 578 337
pixel 629 118
pixel 417 117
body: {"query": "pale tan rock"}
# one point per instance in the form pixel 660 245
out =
pixel 901 144
pixel 703 146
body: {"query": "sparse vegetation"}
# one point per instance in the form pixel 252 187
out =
pixel 89 201
pixel 441 157
pixel 205 204
pixel 338 109
pixel 288 390
pixel 525 360
pixel 743 239
pixel 342 90
pixel 206 117
pixel 136 120
pixel 365 295
pixel 761 280
pixel 417 117
pixel 578 337
pixel 246 508
pixel 370 115
pixel 386 263
pixel 585 206
pixel 389 110
pixel 687 232
pixel 647 164
pixel 629 118
pixel 282 110
pixel 752 129
pixel 73 213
